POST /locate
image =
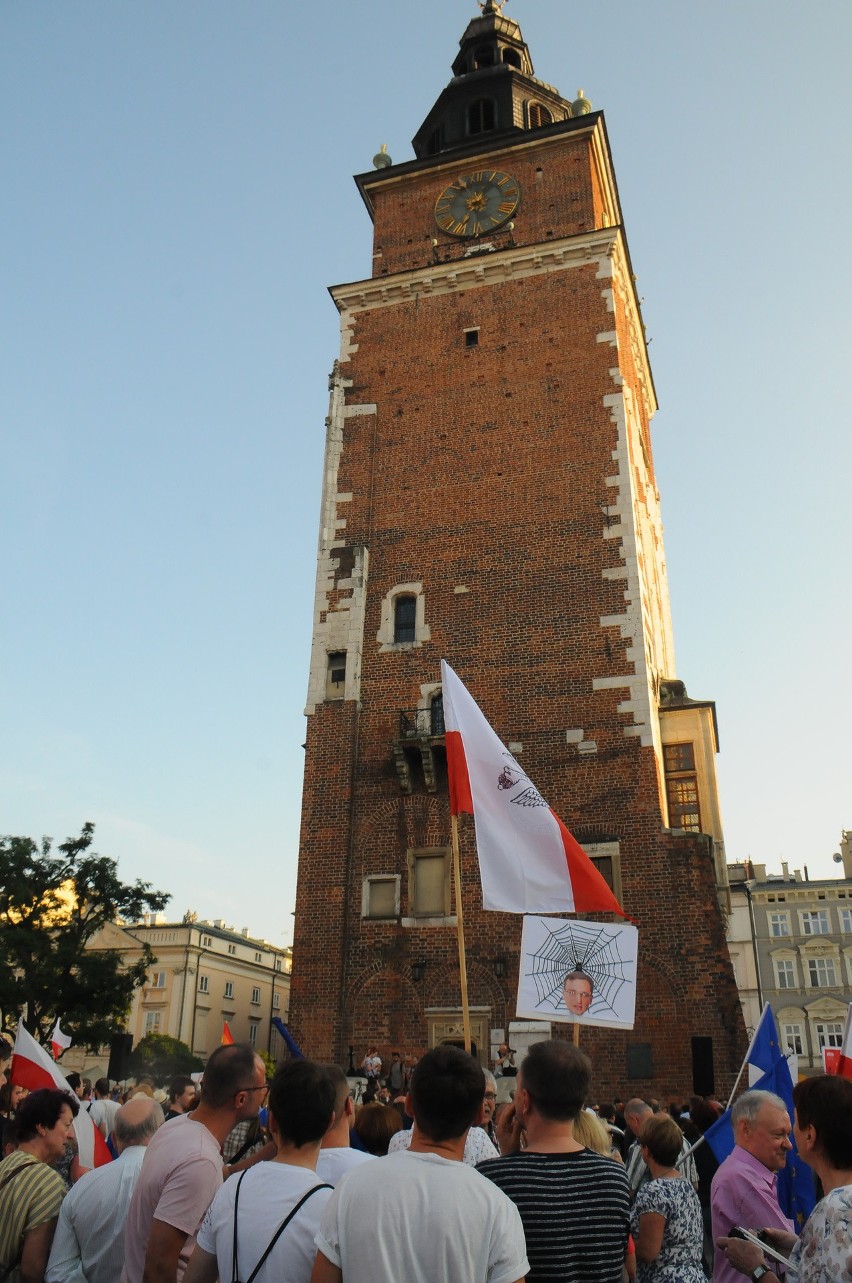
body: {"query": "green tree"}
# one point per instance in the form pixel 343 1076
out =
pixel 162 1057
pixel 52 903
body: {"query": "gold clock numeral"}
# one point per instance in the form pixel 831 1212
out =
pixel 506 206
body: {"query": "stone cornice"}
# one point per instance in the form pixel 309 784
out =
pixel 485 268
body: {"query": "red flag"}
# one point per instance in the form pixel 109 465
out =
pixel 33 1068
pixel 227 1037
pixel 528 861
pixel 844 1060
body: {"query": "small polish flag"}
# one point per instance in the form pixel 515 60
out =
pixel 844 1060
pixel 32 1068
pixel 528 861
pixel 59 1041
pixel 227 1037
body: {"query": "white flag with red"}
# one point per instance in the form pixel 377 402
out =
pixel 59 1041
pixel 32 1068
pixel 528 861
pixel 844 1060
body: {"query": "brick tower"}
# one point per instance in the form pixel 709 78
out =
pixel 489 497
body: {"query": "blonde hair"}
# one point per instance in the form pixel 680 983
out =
pixel 590 1131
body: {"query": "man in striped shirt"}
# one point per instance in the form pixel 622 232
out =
pixel 574 1204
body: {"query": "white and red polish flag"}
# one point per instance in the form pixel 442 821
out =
pixel 844 1060
pixel 33 1068
pixel 59 1041
pixel 528 861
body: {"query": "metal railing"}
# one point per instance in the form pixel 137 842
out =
pixel 421 723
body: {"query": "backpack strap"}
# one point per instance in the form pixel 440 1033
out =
pixel 281 1228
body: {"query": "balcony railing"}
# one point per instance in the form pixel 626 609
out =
pixel 422 723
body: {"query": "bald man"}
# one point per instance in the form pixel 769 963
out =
pixel 89 1240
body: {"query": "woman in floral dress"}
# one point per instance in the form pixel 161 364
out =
pixel 666 1217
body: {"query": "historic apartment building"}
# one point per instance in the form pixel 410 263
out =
pixel 489 498
pixel 791 945
pixel 205 973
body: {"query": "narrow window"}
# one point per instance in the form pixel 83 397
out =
pixel 404 617
pixel 512 57
pixel 255 995
pixel 431 892
pixel 784 974
pixel 682 787
pixel 481 116
pixel 436 715
pixel 484 57
pixel 229 988
pixel 539 116
pixel 152 1022
pixel 276 1001
pixel 232 948
pixel 794 1039
pixel 471 338
pixel 203 984
pixel 335 681
pixel 253 1033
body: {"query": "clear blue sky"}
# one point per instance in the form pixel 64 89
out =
pixel 178 195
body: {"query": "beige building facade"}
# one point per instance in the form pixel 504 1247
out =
pixel 790 941
pixel 206 974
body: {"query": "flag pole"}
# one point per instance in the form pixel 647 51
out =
pixel 460 931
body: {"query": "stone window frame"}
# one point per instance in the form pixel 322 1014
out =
pixel 447 918
pixel 821 1033
pixel 153 1022
pixel 782 917
pixel 422 632
pixel 845 919
pixel 794 1030
pixel 255 996
pixel 787 959
pixel 203 984
pixel 254 1025
pixel 229 989
pixel 813 969
pixel 369 880
pixel 808 915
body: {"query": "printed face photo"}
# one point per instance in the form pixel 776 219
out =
pixel 577 994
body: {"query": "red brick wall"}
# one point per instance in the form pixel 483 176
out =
pixel 486 468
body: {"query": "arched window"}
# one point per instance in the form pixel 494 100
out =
pixel 436 715
pixel 539 116
pixel 404 618
pixel 512 57
pixel 484 57
pixel 481 116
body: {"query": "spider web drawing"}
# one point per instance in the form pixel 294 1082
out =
pixel 581 946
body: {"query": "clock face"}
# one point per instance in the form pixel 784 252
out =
pixel 477 203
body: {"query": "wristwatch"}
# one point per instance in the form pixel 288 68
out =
pixel 758 1273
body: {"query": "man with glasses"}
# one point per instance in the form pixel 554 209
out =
pixel 182 1171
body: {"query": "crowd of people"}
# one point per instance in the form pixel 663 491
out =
pixel 445 1175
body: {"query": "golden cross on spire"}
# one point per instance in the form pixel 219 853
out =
pixel 491 6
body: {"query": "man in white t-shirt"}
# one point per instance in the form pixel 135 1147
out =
pixel 422 1215
pixel 103 1108
pixel 182 1169
pixel 301 1110
pixel 337 1155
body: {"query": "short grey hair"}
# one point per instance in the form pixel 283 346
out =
pixel 750 1104
pixel 490 1080
pixel 128 1134
pixel 638 1108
